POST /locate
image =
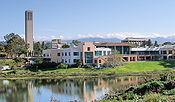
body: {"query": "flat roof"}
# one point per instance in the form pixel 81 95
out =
pixel 146 49
pixel 113 44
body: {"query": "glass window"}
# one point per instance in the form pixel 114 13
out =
pixel 62 54
pixel 98 53
pixel 58 54
pixel 104 53
pixel 88 57
pixel 88 48
pixel 109 52
pixel 75 60
pixel 170 51
pixel 69 54
pixel 69 60
pixel 65 53
pixel 62 60
pixel 164 52
pixel 99 61
pixel 76 53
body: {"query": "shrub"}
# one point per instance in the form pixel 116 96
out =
pixel 19 60
pixel 88 66
pixel 61 65
pixel 154 98
pixel 170 85
pixel 154 86
pixel 44 65
pixel 167 76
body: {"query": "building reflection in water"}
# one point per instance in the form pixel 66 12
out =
pixel 84 90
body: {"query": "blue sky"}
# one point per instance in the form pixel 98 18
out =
pixel 71 19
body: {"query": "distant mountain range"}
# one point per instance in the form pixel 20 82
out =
pixel 158 39
pixel 162 40
pixel 96 40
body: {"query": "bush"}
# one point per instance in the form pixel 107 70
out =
pixel 44 65
pixel 167 76
pixel 154 98
pixel 154 86
pixel 19 60
pixel 61 65
pixel 88 66
pixel 170 85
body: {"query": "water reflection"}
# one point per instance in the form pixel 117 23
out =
pixel 41 90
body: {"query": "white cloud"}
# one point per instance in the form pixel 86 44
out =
pixel 120 35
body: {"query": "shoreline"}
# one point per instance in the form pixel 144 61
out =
pixel 78 75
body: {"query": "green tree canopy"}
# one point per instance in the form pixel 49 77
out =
pixel 75 42
pixel 37 49
pixel 15 45
pixel 65 46
pixel 114 60
pixel 156 44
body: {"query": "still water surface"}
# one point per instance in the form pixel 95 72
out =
pixel 64 90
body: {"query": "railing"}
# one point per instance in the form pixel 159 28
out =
pixel 140 54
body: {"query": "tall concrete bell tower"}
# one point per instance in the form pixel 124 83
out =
pixel 29 30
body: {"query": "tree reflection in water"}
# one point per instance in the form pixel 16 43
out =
pixel 79 89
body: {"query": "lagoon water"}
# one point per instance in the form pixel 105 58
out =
pixel 63 90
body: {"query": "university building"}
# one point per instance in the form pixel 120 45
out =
pixel 99 53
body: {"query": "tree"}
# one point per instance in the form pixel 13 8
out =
pixel 149 42
pixel 156 44
pixel 167 43
pixel 114 60
pixel 15 45
pixel 43 45
pixel 79 63
pixel 2 48
pixel 144 44
pixel 75 42
pixel 65 46
pixel 37 49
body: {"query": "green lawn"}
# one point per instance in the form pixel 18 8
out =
pixel 142 67
pixel 127 67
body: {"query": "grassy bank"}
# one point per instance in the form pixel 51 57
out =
pixel 126 69
pixel 142 67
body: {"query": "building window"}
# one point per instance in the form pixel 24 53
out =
pixel 164 52
pixel 58 54
pixel 65 53
pixel 109 52
pixel 75 60
pixel 104 53
pixel 69 54
pixel 62 54
pixel 170 52
pixel 88 57
pixel 65 61
pixel 69 60
pixel 88 48
pixel 98 53
pixel 44 55
pixel 95 61
pixel 76 53
pixel 62 60
pixel 99 61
